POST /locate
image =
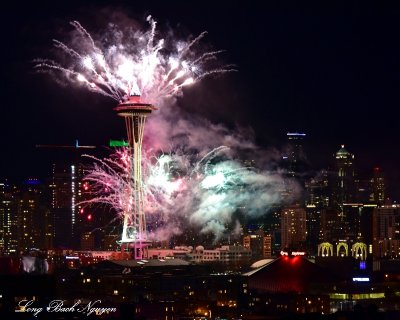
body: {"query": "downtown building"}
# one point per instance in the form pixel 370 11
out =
pixel 8 220
pixel 48 215
pixel 294 157
pixel 259 243
pixel 339 204
pixel 386 232
pixel 25 218
pixel 342 179
pixel 346 203
pixel 74 222
pixel 66 182
pixel 293 228
pixel 34 219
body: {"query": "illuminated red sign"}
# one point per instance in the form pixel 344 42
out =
pixel 293 253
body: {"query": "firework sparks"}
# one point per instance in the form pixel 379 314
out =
pixel 135 63
pixel 179 189
pixel 182 191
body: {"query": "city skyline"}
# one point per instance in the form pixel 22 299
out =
pixel 266 184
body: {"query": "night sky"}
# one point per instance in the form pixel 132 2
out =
pixel 331 70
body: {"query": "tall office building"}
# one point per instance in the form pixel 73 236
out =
pixel 313 225
pixel 8 219
pixel 34 219
pixel 272 226
pixel 295 157
pixel 316 200
pixel 363 190
pixel 342 178
pixel 342 224
pixel 378 186
pixel 351 222
pixel 317 190
pixel 3 219
pixel 331 225
pixel 293 228
pixel 295 163
pixel 366 223
pixel 66 187
pixel 386 232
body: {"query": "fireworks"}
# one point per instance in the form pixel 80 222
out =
pixel 126 65
pixel 178 189
pixel 133 62
pixel 182 191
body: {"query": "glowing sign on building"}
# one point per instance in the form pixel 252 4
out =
pixel 118 143
pixel 293 253
pixel 361 279
pixel 71 257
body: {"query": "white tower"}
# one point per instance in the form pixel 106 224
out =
pixel 134 224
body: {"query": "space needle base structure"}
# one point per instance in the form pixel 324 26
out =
pixel 134 235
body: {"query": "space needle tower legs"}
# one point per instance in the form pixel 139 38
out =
pixel 134 219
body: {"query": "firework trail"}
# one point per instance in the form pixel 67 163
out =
pixel 110 181
pixel 133 62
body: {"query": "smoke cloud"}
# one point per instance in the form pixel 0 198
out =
pixel 221 184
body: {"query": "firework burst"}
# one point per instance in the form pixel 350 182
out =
pixel 183 191
pixel 133 63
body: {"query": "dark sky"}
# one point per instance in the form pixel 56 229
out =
pixel 328 68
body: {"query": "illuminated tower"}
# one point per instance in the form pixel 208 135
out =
pixel 134 224
pixel 343 176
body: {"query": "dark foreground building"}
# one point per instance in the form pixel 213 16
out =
pixel 290 287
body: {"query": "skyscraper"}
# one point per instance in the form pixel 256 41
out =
pixel 65 186
pixel 8 219
pixel 317 194
pixel 378 186
pixel 293 227
pixel 313 227
pixel 317 200
pixel 295 157
pixel 342 178
pixel 35 225
pixel 386 232
pixel 331 225
pixel 295 163
pixel 66 194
